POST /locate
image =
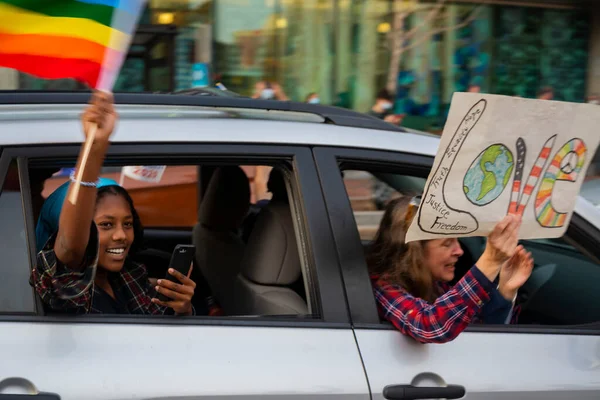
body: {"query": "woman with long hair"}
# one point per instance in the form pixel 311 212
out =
pixel 411 280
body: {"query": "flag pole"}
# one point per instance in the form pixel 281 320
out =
pixel 91 134
pixel 122 177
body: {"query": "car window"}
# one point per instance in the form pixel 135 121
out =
pixel 369 192
pixel 562 288
pixel 248 247
pixel 590 189
pixel 165 196
pixel 16 295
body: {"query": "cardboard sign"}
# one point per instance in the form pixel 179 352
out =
pixel 145 173
pixel 499 155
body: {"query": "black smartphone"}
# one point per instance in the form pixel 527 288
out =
pixel 181 260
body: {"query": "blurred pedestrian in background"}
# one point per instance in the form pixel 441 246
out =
pixel 474 88
pixel 383 108
pixel 312 98
pixel 383 105
pixel 268 90
pixel 546 93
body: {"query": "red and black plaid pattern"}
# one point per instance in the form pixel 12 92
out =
pixel 441 321
pixel 67 290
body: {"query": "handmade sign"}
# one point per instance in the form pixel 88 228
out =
pixel 500 155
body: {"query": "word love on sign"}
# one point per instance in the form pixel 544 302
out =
pixel 502 155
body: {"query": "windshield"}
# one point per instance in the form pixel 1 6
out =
pixel 590 190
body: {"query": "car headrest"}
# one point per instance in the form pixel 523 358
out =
pixel 271 256
pixel 276 185
pixel 226 201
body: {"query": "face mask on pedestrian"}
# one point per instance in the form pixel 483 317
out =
pixel 314 100
pixel 267 94
pixel 386 106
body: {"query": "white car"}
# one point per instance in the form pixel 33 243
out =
pixel 300 317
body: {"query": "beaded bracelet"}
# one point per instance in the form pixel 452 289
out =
pixel 82 183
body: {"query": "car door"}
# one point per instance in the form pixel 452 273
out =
pixel 139 357
pixel 524 361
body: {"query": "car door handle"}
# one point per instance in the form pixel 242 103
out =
pixel 24 386
pixel 410 392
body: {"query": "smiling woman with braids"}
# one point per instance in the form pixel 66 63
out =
pixel 410 280
pixel 84 267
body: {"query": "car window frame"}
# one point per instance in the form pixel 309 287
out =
pixel 363 311
pixel 326 280
pixel 5 163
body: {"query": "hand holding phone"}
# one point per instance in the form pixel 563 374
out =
pixel 177 289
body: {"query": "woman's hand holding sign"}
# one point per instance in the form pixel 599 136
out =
pixel 504 255
pixel 500 247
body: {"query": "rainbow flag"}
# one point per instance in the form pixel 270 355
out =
pixel 82 39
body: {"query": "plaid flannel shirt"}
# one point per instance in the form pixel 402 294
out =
pixel 73 291
pixel 449 315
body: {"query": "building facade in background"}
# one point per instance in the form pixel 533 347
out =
pixel 341 50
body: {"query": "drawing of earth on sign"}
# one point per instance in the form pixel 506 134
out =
pixel 489 174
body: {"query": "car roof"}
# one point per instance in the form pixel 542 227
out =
pixel 144 117
pixel 147 117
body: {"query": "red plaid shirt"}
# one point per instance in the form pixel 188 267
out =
pixel 73 291
pixel 448 316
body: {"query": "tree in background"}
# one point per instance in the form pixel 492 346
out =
pixel 434 23
pixel 411 46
